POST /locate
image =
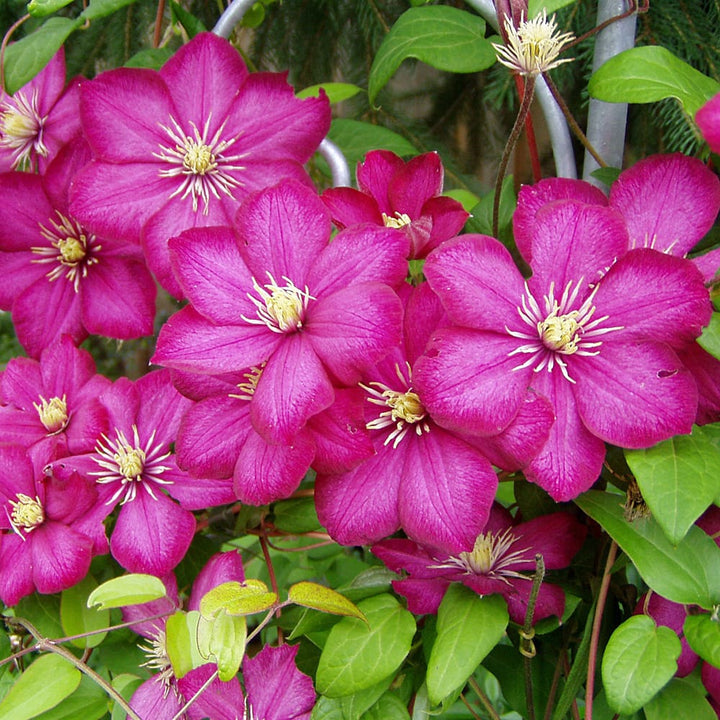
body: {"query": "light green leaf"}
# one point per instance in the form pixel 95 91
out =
pixel 388 707
pixel 88 702
pixel 100 8
pixel 246 598
pixel 468 628
pixel 356 656
pixel 703 635
pixel 181 642
pixel 327 709
pixel 684 573
pixel 680 700
pixel 353 706
pixel 134 589
pixel 222 640
pixel 336 92
pixel 444 37
pixel 41 8
pixel 649 74
pixel 78 618
pixel 466 198
pixel 153 58
pixel 47 682
pixel 535 7
pixel 639 660
pixel 27 57
pixel 710 338
pixel 319 597
pixel 679 478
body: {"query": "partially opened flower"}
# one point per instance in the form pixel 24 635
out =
pixel 501 561
pixel 315 313
pixel 180 148
pixel 708 120
pixel 399 194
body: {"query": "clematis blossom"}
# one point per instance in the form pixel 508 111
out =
pixel 399 194
pixel 501 561
pixel 181 147
pixel 276 292
pixel 593 330
pixel 708 120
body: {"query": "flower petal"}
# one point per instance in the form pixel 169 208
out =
pixel 60 557
pixel 708 120
pixel 350 207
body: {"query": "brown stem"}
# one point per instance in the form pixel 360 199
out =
pixel 158 23
pixel 469 707
pixel 484 699
pixel 273 579
pixel 595 637
pixel 633 7
pixel 527 647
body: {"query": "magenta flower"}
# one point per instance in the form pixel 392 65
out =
pixel 708 120
pixel 39 118
pixel 401 195
pixel 438 485
pixel 180 148
pixel 592 333
pixel 316 314
pixel 54 400
pixel 48 533
pixel 501 561
pixel 60 278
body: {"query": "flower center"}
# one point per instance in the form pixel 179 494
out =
pixel 21 127
pixel 27 514
pixel 157 658
pixel 200 163
pixel 405 408
pixel 562 328
pixel 53 413
pixel 282 309
pixel 131 461
pixel 400 220
pixel 71 252
pixel 248 388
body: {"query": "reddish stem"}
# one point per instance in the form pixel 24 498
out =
pixel 529 133
pixel 158 23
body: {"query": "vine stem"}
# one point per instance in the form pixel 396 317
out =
pixel 512 140
pixel 43 644
pixel 530 135
pixel 527 647
pixel 595 637
pixel 484 699
pixel 157 34
pixel 273 579
pixel 5 42
pixel 200 691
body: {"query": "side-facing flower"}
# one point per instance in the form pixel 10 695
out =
pixel 501 561
pixel 59 278
pixel 48 532
pixel 277 293
pixel 593 333
pixel 399 194
pixel 180 148
pixel 708 120
pixel 39 118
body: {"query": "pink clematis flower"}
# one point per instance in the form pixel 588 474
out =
pixel 401 195
pixel 708 120
pixel 58 277
pixel 316 314
pixel 501 561
pixel 48 533
pixel 438 485
pixel 39 118
pixel 180 148
pixel 591 332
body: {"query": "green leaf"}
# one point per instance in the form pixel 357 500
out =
pixel 222 640
pixel 27 57
pixel 468 628
pixel 444 37
pixel 679 478
pixel 353 706
pixel 649 74
pixel 181 644
pixel 607 175
pixel 296 515
pixel 710 338
pixel 481 215
pixel 153 58
pixel 466 198
pixel 535 7
pixel 41 8
pixel 100 8
pixel 126 685
pixel 319 597
pixel 236 598
pixel 684 573
pixel 190 23
pixel 680 700
pixel 388 707
pixel 78 618
pixel 43 611
pixel 134 589
pixel 88 702
pixel 47 682
pixel 639 659
pixel 358 655
pixel 336 92
pixel 703 635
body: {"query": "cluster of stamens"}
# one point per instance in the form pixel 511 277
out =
pixel 399 221
pixel 559 330
pixel 282 309
pixel 404 408
pixel 27 514
pixel 72 251
pixel 201 163
pixel 53 413
pixel 130 464
pixel 247 389
pixel 21 127
pixel 158 660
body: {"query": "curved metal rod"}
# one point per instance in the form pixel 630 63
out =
pixel 607 121
pixel 231 17
pixel 560 138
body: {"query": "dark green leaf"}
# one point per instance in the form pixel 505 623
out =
pixel 535 7
pixel 607 175
pixel 88 702
pixel 680 700
pixel 481 220
pixel 710 338
pixel 336 92
pixel 153 58
pixel 703 635
pixel 388 707
pixel 190 23
pixel 444 37
pixel 100 8
pixel 41 8
pixel 296 515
